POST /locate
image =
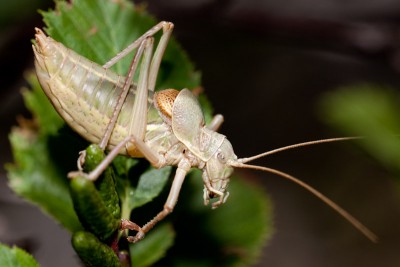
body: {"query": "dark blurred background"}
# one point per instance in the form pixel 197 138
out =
pixel 265 64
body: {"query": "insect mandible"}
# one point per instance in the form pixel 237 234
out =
pixel 165 127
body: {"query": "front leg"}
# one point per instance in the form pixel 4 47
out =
pixel 181 171
pixel 157 161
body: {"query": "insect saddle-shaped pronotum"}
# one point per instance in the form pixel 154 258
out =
pixel 126 117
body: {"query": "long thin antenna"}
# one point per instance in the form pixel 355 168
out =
pixel 357 224
pixel 316 142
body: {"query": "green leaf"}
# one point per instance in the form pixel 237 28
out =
pixel 152 248
pixel 243 224
pixel 35 175
pixel 99 30
pixel 368 111
pixel 123 164
pixel 15 257
pixel 231 235
pixel 150 185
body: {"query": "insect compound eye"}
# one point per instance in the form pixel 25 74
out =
pixel 221 157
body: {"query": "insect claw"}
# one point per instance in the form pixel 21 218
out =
pixel 81 160
pixel 73 174
pixel 79 163
pixel 139 236
pixel 131 239
pixel 217 204
pixel 167 26
pixel 128 225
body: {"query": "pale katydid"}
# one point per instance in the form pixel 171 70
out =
pixel 166 127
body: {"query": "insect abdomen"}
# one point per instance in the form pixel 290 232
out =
pixel 83 92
